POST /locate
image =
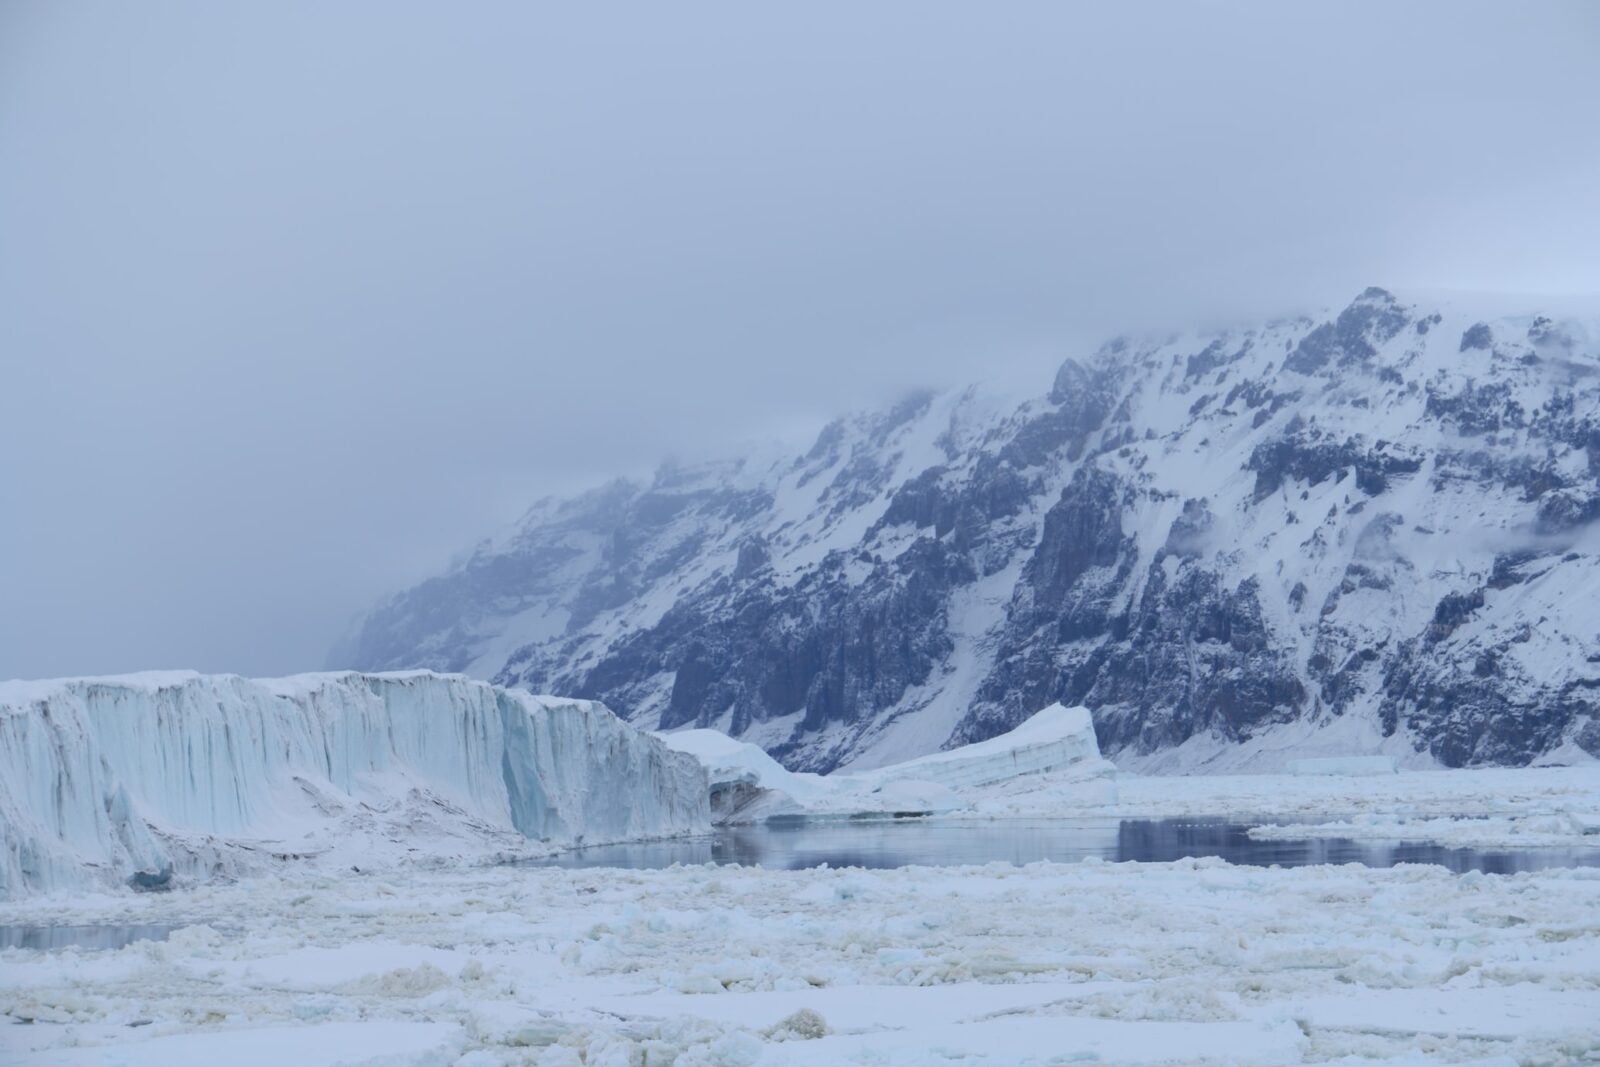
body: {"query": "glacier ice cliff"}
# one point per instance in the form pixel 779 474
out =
pixel 142 778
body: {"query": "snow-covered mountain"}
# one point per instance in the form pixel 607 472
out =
pixel 1373 530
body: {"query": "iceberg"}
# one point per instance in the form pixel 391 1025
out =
pixel 1055 739
pixel 747 785
pixel 143 778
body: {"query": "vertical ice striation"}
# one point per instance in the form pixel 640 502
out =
pixel 129 779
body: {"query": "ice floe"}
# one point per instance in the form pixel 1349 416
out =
pixel 1187 962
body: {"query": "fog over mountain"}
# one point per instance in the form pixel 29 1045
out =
pixel 298 300
pixel 1376 529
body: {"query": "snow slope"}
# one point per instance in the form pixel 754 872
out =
pixel 1374 530
pixel 144 777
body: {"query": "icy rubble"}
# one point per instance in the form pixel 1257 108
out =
pixel 145 777
pixel 747 785
pixel 1187 962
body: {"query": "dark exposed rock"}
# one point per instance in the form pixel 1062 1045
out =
pixel 1303 454
pixel 1371 319
pixel 1214 356
pixel 1588 738
pixel 1082 530
pixel 753 556
pixel 1477 336
pixel 1465 714
pixel 1508 569
pixel 826 649
pixel 1193 656
pixel 1084 399
pixel 1477 409
pixel 1452 611
pixel 1568 509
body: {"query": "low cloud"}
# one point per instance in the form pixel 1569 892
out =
pixel 297 299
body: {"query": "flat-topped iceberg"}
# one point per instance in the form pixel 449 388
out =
pixel 747 785
pixel 135 779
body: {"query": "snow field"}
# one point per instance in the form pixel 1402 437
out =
pixel 1190 962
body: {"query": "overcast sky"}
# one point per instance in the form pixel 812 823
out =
pixel 296 300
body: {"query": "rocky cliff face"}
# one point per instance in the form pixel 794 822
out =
pixel 1371 532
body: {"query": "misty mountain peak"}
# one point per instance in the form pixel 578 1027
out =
pixel 1209 539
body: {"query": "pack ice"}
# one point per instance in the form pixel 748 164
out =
pixel 140 778
pixel 748 785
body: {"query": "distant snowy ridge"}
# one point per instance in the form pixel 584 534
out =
pixel 139 778
pixel 1370 531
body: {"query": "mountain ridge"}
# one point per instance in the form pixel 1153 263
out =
pixel 1367 530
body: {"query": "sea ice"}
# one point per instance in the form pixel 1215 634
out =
pixel 1195 961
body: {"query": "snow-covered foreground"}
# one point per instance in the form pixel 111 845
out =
pixel 1124 963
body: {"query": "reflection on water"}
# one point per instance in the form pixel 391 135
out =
pixel 793 845
pixel 1169 839
pixel 85 937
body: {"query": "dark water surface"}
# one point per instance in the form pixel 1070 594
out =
pixel 109 936
pixel 883 843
